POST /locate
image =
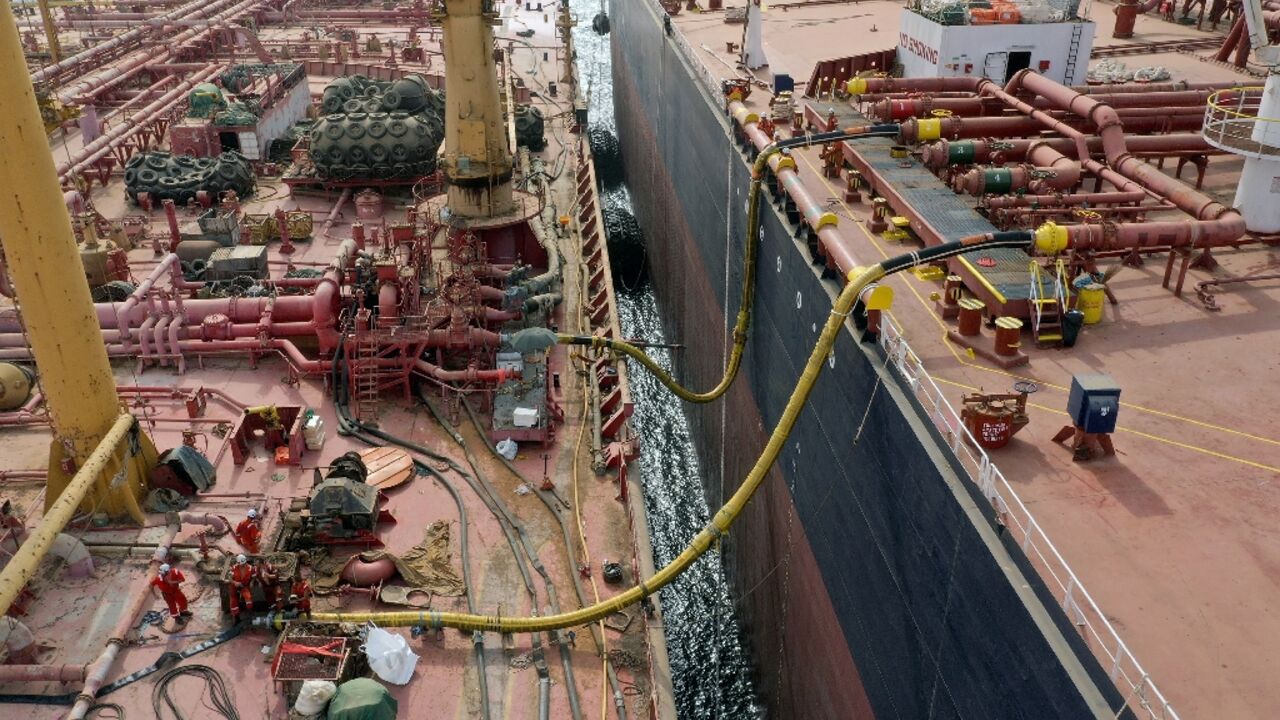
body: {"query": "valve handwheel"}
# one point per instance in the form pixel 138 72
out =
pixel 1025 386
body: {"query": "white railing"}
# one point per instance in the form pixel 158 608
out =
pixel 1231 123
pixel 1140 691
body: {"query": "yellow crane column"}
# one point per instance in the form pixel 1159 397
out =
pixel 61 323
pixel 477 159
pixel 50 31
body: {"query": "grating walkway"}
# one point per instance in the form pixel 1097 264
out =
pixel 952 217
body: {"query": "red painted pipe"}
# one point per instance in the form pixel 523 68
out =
pixel 877 87
pixel 1015 150
pixel 1103 198
pixel 468 375
pixel 900 109
pixel 1216 223
pixel 957 128
pixel 100 148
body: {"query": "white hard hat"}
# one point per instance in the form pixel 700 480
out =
pixel 252 513
pixel 241 558
pixel 164 569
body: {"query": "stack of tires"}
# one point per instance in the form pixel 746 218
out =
pixel 179 177
pixel 378 130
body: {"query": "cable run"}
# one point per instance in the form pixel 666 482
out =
pixel 715 529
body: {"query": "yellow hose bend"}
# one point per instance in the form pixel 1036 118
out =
pixel 717 527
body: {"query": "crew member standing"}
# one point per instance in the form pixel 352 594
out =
pixel 300 594
pixel 169 581
pixel 248 534
pixel 240 590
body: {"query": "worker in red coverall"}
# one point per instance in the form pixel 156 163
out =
pixel 240 592
pixel 300 594
pixel 248 534
pixel 272 588
pixel 169 581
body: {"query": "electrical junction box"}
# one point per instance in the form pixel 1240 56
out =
pixel 1094 402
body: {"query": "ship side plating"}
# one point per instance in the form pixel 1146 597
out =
pixel 872 582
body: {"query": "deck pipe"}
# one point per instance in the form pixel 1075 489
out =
pixel 971 128
pixel 983 151
pixel 821 220
pixel 896 110
pixel 1214 224
pixel 196 8
pixel 220 12
pixel 1047 171
pixel 84 158
pixel 866 89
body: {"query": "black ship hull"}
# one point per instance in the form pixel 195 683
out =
pixel 872 581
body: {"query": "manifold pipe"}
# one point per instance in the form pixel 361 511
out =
pixel 122 312
pixel 468 375
pixel 895 110
pixel 1057 200
pixel 979 152
pixel 42 673
pixel 24 563
pixel 1220 224
pixel 1047 170
pixel 957 128
pixel 862 88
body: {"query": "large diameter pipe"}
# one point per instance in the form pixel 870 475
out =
pixel 864 87
pixel 24 563
pixel 1112 131
pixel 42 256
pixel 101 667
pixel 101 147
pixel 42 673
pixel 980 152
pixel 897 109
pixel 957 128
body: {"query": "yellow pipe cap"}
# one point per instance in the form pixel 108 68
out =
pixel 1052 238
pixel 856 86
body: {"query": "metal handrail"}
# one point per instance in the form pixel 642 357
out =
pixel 1230 118
pixel 1142 695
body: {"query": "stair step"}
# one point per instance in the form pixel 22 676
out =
pixel 1049 337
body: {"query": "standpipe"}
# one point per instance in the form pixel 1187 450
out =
pixel 859 280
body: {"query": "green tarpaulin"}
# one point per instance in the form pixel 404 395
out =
pixel 362 699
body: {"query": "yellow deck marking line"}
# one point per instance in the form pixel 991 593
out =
pixel 1139 433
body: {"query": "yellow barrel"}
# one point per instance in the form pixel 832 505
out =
pixel 1089 301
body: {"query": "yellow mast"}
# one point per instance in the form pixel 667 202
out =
pixel 477 158
pixel 50 31
pixel 61 323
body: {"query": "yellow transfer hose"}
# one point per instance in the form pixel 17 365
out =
pixel 727 514
pixel 743 322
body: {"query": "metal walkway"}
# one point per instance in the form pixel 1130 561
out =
pixel 1004 270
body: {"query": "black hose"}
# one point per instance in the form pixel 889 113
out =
pixel 354 429
pixel 218 692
